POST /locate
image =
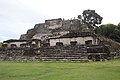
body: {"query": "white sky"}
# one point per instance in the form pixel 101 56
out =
pixel 17 16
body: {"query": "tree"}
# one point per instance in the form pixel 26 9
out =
pixel 118 27
pixel 91 18
pixel 119 24
pixel 110 30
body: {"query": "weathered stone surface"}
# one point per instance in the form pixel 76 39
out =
pixel 52 26
pixel 66 54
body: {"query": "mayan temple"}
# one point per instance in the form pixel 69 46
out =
pixel 59 40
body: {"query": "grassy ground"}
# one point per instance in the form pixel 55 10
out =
pixel 109 70
pixel 0 44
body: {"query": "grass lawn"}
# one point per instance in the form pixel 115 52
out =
pixel 0 44
pixel 109 70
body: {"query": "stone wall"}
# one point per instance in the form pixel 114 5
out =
pixel 56 53
pixel 79 40
pixel 15 43
pixel 52 25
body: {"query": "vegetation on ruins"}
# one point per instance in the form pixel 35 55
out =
pixel 109 70
pixel 91 18
pixel 110 30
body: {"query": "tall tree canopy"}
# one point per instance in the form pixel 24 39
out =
pixel 91 18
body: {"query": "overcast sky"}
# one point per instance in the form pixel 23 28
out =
pixel 17 16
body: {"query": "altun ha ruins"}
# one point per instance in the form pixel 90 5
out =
pixel 59 40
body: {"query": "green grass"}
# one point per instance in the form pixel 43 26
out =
pixel 0 44
pixel 109 70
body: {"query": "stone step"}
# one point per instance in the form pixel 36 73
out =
pixel 66 60
pixel 63 57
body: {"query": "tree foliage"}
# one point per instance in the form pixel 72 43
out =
pixel 91 18
pixel 110 30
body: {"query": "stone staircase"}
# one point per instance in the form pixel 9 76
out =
pixel 78 53
pixel 78 57
pixel 65 57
